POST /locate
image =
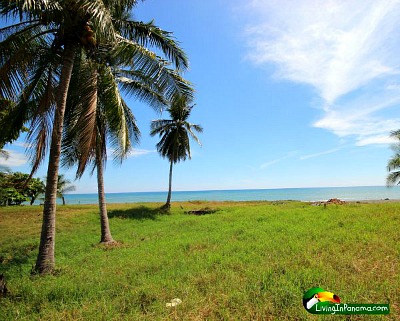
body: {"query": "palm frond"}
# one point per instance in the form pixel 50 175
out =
pixel 4 154
pixel 143 89
pixel 394 162
pixel 393 178
pixel 80 129
pixel 166 80
pixel 189 128
pixel 28 8
pixel 20 53
pixel 69 189
pixel 148 34
pixel 100 18
pixel 122 127
pixel 38 99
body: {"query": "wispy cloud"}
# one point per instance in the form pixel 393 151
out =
pixel 346 50
pixel 14 159
pixel 272 162
pixel 278 160
pixel 140 152
pixel 376 140
pixel 326 152
pixel 133 153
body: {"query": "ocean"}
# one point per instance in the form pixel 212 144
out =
pixel 300 194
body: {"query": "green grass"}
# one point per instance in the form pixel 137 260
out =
pixel 247 261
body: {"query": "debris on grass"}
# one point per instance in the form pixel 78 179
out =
pixel 202 211
pixel 174 302
pixel 330 201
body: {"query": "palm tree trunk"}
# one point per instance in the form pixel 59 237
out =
pixel 105 226
pixel 168 203
pixel 45 260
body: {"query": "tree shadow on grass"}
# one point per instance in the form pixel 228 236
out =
pixel 136 213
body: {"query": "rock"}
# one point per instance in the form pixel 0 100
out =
pixel 335 201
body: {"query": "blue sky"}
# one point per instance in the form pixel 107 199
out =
pixel 289 93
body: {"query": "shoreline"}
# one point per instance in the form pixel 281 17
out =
pixel 346 194
pixel 320 202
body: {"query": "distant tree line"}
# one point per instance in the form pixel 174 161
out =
pixel 17 188
pixel 14 190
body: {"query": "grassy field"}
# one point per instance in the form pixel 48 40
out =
pixel 247 261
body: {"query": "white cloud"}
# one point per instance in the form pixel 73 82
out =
pixel 15 159
pixel 362 117
pixel 346 50
pixel 376 140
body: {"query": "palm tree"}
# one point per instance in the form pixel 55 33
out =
pixel 394 163
pixel 110 120
pixel 36 62
pixel 64 186
pixel 37 57
pixel 174 133
pixel 96 113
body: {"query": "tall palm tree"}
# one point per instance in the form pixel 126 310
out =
pixel 64 186
pixel 37 57
pixel 110 120
pixel 36 62
pixel 174 133
pixel 394 163
pixel 96 113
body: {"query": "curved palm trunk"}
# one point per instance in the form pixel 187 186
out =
pixel 45 260
pixel 105 227
pixel 168 203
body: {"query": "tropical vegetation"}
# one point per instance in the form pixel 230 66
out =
pixel 15 189
pixel 9 132
pixel 38 57
pixel 64 185
pixel 36 66
pixel 174 136
pixel 97 114
pixel 247 261
pixel 394 163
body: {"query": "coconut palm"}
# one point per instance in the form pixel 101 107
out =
pixel 64 186
pixel 96 113
pixel 174 133
pixel 111 120
pixel 394 163
pixel 37 56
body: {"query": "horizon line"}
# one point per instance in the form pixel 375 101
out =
pixel 243 189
